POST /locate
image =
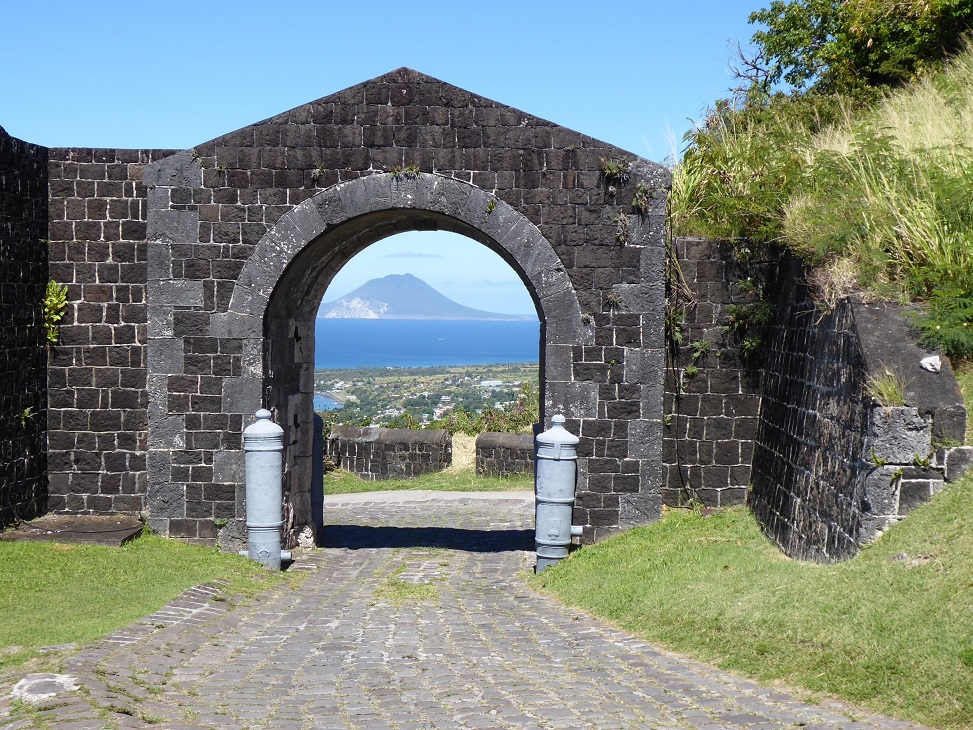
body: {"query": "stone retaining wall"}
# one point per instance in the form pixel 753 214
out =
pixel 23 355
pixel 833 468
pixel 501 454
pixel 375 453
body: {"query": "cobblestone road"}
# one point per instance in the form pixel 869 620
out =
pixel 414 616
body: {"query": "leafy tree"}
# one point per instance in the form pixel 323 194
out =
pixel 850 46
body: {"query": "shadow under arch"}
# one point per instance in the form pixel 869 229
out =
pixel 280 287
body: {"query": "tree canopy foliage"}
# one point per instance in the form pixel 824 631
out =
pixel 849 46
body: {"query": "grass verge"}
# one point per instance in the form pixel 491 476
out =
pixel 54 594
pixel 449 480
pixel 964 376
pixel 888 630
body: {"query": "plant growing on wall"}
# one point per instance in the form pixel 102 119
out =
pixel 698 349
pixel 55 302
pixel 614 173
pixel 641 200
pixel 613 299
pixel 886 388
pixel 410 171
pixel 622 229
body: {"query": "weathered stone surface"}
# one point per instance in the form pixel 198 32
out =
pixel 232 537
pixel 706 459
pixel 880 493
pixel 24 489
pixel 898 435
pixel 389 453
pixel 501 454
pixel 957 462
pixel 809 459
pixel 37 687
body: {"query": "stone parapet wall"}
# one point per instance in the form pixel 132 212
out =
pixel 806 486
pixel 23 354
pixel 712 397
pixel 832 468
pixel 376 454
pixel 502 454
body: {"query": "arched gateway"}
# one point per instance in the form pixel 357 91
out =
pixel 246 232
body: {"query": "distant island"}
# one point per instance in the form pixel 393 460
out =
pixel 404 296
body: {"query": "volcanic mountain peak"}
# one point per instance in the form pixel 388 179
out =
pixel 403 296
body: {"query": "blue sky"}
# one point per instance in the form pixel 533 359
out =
pixel 172 74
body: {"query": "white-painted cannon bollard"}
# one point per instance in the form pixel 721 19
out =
pixel 263 447
pixel 555 472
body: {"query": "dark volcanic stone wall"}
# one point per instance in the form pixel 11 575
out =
pixel 807 486
pixel 712 400
pixel 500 454
pixel 376 454
pixel 302 192
pixel 23 356
pixel 97 376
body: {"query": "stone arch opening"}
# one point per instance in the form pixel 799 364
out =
pixel 284 281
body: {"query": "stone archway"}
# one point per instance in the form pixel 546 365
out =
pixel 244 233
pixel 280 287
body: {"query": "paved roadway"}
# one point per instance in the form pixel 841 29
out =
pixel 414 616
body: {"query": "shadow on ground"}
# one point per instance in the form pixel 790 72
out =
pixel 358 537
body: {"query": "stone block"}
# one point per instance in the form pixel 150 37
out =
pixel 179 170
pixel 172 226
pixel 167 500
pixel 915 492
pixel 178 292
pixel 234 325
pixel 636 510
pixel 957 462
pixel 644 439
pixel 881 491
pixel 241 395
pixel 167 432
pixel 898 435
pixel 164 356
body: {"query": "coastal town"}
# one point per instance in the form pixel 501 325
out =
pixel 380 395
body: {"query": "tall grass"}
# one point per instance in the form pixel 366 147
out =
pixel 742 164
pixel 890 191
pixel 882 192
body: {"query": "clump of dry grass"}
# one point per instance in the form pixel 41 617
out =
pixel 464 452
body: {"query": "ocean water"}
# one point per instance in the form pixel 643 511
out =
pixel 323 402
pixel 361 343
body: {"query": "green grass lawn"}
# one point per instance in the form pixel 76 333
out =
pixel 449 480
pixel 56 594
pixel 891 630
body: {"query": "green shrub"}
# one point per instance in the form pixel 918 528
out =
pixel 518 418
pixel 855 45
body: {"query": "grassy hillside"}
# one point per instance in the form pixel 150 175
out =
pixel 877 196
